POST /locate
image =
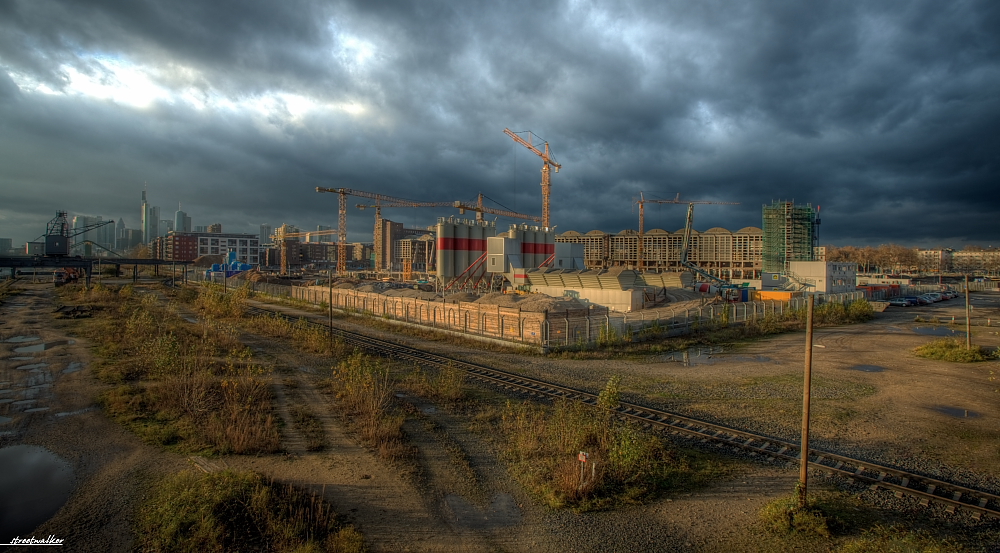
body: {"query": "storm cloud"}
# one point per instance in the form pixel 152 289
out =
pixel 885 114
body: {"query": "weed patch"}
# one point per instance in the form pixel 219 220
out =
pixel 624 464
pixel 364 391
pixel 239 511
pixel 950 349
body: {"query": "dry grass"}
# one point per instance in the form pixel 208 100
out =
pixel 239 511
pixel 950 349
pixel 624 464
pixel 446 384
pixel 364 390
pixel 193 389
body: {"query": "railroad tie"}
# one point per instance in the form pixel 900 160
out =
pixel 982 502
pixel 931 488
pixel 881 476
pixel 924 501
pixel 782 450
pixel 819 459
pixel 956 496
pixel 838 465
pixel 859 470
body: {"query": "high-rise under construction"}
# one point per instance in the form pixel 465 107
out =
pixel 789 235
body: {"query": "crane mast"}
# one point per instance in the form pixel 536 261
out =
pixel 342 219
pixel 547 162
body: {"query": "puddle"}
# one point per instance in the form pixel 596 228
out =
pixel 4 401
pixel 429 410
pixel 693 356
pixel 935 331
pixel 28 358
pixel 191 320
pixel 710 355
pixel 45 346
pixel 867 368
pixel 77 412
pixel 5 420
pixel 36 410
pixel 24 402
pixel 73 367
pixel 19 339
pixel 32 367
pixel 34 484
pixel 956 412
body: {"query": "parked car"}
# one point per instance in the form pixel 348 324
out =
pixel 934 296
pixel 900 302
pixel 916 300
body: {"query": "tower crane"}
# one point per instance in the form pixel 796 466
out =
pixel 342 218
pixel 642 201
pixel 547 162
pixel 282 236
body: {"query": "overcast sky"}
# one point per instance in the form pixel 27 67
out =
pixel 885 114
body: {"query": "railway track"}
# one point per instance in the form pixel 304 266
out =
pixel 925 488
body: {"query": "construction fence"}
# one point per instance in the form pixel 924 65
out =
pixel 570 328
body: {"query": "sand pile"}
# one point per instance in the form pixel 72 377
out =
pixel 536 303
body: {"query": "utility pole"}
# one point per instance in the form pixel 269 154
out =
pixel 331 311
pixel 968 316
pixel 804 448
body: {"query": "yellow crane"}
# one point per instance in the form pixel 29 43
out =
pixel 547 162
pixel 342 219
pixel 642 201
pixel 282 236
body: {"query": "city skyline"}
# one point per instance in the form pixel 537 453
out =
pixel 883 115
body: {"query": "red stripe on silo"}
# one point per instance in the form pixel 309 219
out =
pixel 462 244
pixel 446 243
pixel 477 244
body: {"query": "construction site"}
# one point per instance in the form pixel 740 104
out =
pixel 474 258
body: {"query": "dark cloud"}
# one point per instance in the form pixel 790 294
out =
pixel 885 115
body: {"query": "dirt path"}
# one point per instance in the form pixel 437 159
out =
pixel 111 467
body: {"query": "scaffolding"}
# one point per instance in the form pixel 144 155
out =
pixel 789 235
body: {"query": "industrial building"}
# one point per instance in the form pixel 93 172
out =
pixel 187 246
pixel 718 251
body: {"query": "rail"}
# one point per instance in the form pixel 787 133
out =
pixel 901 482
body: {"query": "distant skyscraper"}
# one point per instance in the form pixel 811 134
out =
pixel 265 234
pixel 182 223
pixel 201 228
pixel 152 230
pixel 120 235
pixel 215 227
pixel 166 226
pixel 5 245
pixel 144 219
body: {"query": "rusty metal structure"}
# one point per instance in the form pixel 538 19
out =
pixel 547 162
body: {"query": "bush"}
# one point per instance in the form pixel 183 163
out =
pixel 784 516
pixel 239 511
pixel 950 349
pixel 624 464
